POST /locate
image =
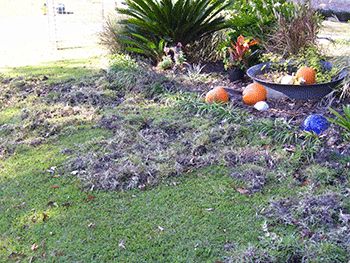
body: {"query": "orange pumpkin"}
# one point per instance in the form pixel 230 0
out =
pixel 254 93
pixel 218 95
pixel 308 74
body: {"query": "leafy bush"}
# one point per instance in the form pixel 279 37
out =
pixel 166 63
pixel 150 21
pixel 207 48
pixel 255 18
pixel 295 33
pixel 119 62
pixel 340 120
pixel 124 72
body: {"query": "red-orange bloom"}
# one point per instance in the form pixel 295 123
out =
pixel 239 49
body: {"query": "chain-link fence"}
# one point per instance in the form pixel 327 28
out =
pixel 75 24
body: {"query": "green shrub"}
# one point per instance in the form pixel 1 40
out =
pixel 174 21
pixel 121 62
pixel 342 120
pixel 255 18
pixel 207 48
pixel 166 63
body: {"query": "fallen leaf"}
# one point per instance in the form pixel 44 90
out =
pixel 34 247
pixel 90 197
pixel 305 183
pixel 52 204
pixel 344 217
pixel 142 187
pixel 51 170
pixel 45 217
pixel 290 148
pixel 242 191
pixel 66 204
pixel 58 253
pixel 16 255
pixel 55 186
pixel 34 219
pixel 122 244
pixel 92 225
pixel 22 205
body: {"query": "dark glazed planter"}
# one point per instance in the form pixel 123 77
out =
pixel 299 92
pixel 235 74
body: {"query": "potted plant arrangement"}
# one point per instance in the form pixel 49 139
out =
pixel 238 56
pixel 305 76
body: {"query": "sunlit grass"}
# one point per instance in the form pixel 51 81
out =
pixel 53 217
pixel 56 71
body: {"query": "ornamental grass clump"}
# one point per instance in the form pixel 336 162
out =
pixel 292 35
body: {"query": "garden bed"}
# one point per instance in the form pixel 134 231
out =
pixel 134 134
pixel 159 158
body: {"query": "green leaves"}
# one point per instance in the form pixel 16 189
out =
pixel 342 121
pixel 255 18
pixel 149 22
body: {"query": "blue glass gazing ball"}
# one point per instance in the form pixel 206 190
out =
pixel 315 123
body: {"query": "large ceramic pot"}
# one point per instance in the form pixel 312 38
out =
pixel 301 92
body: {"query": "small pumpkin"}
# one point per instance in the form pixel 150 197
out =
pixel 217 95
pixel 307 74
pixel 254 93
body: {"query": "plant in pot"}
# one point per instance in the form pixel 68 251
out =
pixel 238 56
pixel 306 75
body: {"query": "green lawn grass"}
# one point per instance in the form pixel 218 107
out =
pixel 52 218
pixel 189 218
pixel 56 71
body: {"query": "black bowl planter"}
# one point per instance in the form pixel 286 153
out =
pixel 235 74
pixel 299 92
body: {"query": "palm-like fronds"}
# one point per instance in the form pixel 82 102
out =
pixel 184 21
pixel 342 121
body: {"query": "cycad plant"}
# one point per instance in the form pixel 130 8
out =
pixel 342 120
pixel 175 21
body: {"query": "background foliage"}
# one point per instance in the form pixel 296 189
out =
pixel 183 21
